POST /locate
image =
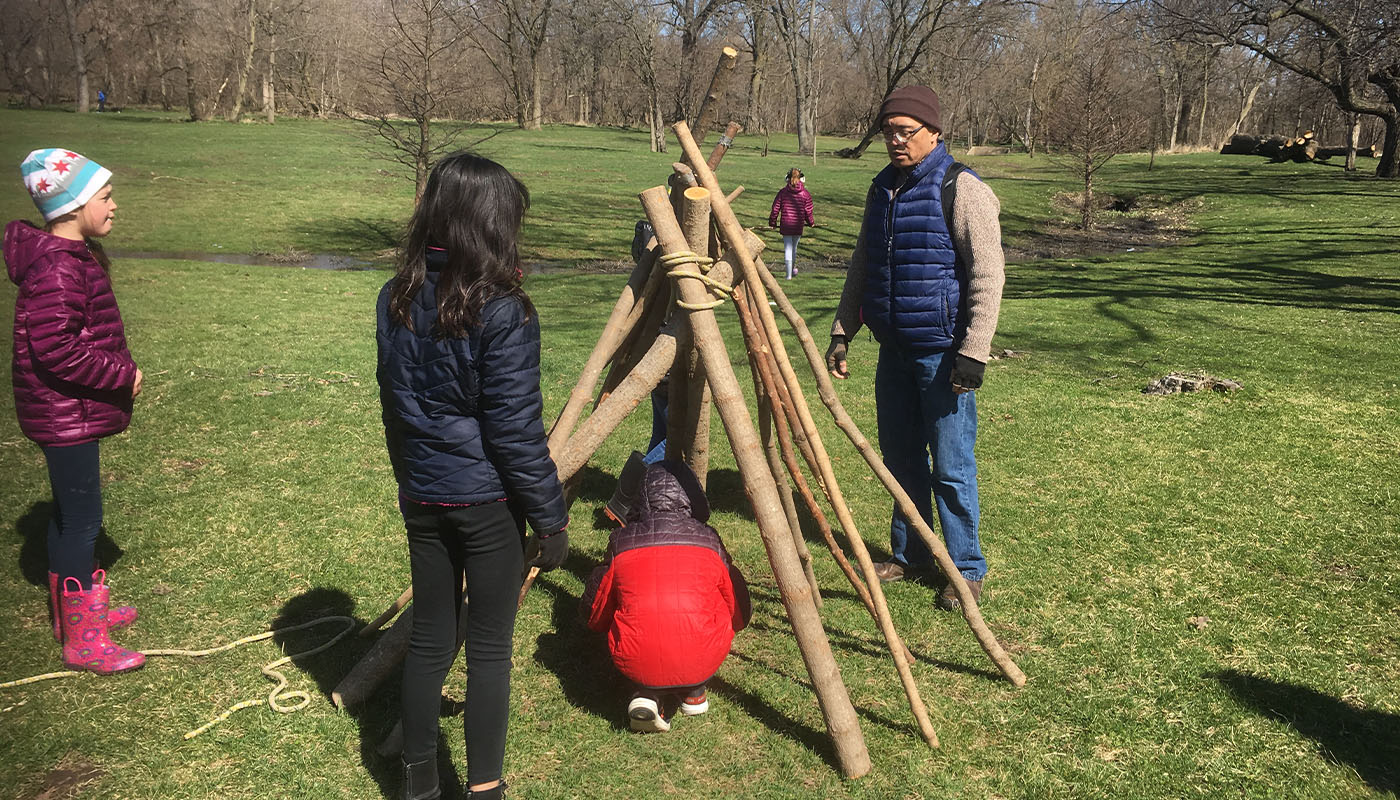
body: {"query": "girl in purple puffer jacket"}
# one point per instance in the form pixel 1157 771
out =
pixel 792 209
pixel 74 383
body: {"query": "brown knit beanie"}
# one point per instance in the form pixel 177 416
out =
pixel 918 102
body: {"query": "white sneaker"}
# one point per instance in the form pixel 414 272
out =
pixel 644 716
pixel 695 706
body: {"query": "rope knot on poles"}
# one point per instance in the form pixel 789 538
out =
pixel 673 262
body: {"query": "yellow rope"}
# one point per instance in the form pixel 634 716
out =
pixel 277 699
pixel 676 259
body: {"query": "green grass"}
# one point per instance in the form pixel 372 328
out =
pixel 1201 588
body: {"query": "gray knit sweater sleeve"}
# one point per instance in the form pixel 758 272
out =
pixel 976 233
pixel 977 236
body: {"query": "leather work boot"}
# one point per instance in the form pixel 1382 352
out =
pixel 948 599
pixel 889 571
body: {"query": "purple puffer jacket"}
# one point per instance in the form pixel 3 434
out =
pixel 791 209
pixel 72 371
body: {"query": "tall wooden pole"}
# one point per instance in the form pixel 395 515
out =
pixel 727 58
pixel 732 232
pixel 842 724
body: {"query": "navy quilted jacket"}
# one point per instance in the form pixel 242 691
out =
pixel 462 417
pixel 914 288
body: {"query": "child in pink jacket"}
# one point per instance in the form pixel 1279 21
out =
pixel 792 210
pixel 74 383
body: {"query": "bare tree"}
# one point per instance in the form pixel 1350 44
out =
pixel 420 42
pixel 796 22
pixel 77 39
pixel 756 36
pixel 1350 47
pixel 897 35
pixel 513 34
pixel 1095 119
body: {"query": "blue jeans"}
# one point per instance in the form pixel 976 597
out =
pixel 927 434
pixel 660 400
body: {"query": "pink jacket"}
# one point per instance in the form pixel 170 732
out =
pixel 72 371
pixel 791 209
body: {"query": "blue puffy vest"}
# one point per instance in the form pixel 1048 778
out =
pixel 914 287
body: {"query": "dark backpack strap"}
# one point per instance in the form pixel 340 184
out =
pixel 950 192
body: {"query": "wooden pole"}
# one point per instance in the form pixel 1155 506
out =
pixel 388 613
pixel 731 230
pixel 727 58
pixel 767 412
pixel 842 724
pixel 689 412
pixel 376 665
pixel 898 651
pixel 723 145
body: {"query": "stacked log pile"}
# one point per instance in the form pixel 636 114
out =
pixel 1299 149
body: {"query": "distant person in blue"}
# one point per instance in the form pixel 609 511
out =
pixel 101 101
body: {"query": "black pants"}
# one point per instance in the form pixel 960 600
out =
pixel 485 543
pixel 76 479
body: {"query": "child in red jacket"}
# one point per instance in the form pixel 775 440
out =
pixel 667 596
pixel 74 381
pixel 792 210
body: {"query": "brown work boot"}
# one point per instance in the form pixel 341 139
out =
pixel 889 571
pixel 948 598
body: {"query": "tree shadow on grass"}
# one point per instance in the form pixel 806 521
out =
pixel 377 715
pixel 33 528
pixel 1364 740
pixel 331 234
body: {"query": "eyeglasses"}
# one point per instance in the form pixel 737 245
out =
pixel 901 137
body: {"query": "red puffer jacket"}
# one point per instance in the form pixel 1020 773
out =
pixel 666 594
pixel 792 208
pixel 72 371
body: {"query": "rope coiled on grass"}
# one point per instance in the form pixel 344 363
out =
pixel 280 699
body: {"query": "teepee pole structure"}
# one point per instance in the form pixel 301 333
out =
pixel 841 722
pixel 731 231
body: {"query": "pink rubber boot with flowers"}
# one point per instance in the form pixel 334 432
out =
pixel 86 645
pixel 119 617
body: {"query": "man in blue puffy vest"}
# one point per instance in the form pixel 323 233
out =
pixel 928 285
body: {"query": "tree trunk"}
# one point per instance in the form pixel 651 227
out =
pixel 1352 141
pixel 536 120
pixel 75 38
pixel 270 80
pixel 247 67
pixel 191 96
pixel 1390 151
pixel 1087 212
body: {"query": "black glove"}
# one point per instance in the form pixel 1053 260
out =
pixel 967 373
pixel 551 550
pixel 836 356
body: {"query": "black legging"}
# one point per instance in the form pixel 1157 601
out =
pixel 76 478
pixel 484 541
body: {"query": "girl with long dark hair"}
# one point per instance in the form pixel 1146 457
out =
pixel 459 383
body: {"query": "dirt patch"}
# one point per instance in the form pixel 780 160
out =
pixel 1121 223
pixel 72 773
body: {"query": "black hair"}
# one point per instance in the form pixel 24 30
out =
pixel 471 209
